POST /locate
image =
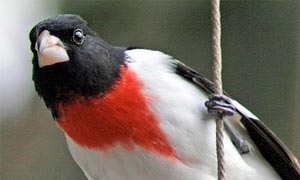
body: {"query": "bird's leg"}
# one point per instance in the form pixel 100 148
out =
pixel 238 141
pixel 219 105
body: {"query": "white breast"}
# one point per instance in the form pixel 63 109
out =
pixel 189 128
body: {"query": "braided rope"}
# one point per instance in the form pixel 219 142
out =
pixel 217 79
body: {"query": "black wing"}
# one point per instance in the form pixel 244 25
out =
pixel 270 146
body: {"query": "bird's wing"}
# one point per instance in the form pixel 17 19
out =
pixel 270 146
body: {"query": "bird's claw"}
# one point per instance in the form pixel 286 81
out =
pixel 220 105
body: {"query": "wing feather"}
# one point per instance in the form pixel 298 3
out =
pixel 270 146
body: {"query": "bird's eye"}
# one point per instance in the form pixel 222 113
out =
pixel 78 36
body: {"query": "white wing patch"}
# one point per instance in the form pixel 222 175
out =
pixel 243 110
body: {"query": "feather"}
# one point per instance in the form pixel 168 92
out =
pixel 270 146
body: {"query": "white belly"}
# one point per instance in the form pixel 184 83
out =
pixel 189 128
pixel 120 164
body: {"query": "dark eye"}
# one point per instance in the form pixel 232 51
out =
pixel 78 36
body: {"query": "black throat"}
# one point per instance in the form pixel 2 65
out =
pixel 86 74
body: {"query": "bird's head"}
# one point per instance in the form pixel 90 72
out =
pixel 70 59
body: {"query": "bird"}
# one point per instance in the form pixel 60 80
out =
pixel 136 113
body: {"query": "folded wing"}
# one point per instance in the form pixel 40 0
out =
pixel 270 146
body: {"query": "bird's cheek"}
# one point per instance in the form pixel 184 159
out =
pixel 52 55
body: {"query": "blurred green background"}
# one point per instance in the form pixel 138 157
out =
pixel 261 54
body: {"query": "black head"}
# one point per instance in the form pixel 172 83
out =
pixel 89 64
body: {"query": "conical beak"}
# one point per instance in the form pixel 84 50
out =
pixel 50 49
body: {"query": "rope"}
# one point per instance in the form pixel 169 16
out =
pixel 217 79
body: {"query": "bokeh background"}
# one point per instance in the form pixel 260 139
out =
pixel 261 53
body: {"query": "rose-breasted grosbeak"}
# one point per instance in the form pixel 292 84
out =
pixel 138 114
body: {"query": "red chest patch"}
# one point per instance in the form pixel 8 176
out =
pixel 121 116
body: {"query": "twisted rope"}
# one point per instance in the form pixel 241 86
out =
pixel 217 79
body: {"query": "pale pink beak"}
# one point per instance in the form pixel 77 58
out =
pixel 50 50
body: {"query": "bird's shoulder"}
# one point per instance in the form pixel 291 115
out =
pixel 153 62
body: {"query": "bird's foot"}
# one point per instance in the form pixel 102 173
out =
pixel 219 105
